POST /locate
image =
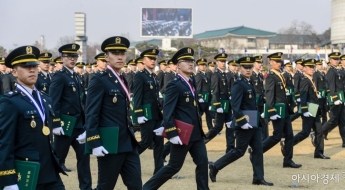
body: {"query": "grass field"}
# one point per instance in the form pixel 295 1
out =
pixel 238 175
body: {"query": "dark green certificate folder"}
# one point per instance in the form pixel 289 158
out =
pixel 68 123
pixel 27 173
pixel 205 96
pixel 323 93
pixel 340 96
pixel 252 117
pixel 109 138
pixel 225 106
pixel 312 108
pixel 280 109
pixel 147 113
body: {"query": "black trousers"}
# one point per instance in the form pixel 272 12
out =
pixel 295 115
pixel 166 149
pixel 280 127
pixel 263 124
pixel 148 138
pixel 221 119
pixel 323 110
pixel 337 118
pixel 251 137
pixel 126 164
pixel 56 185
pixel 197 150
pixel 62 144
pixel 208 117
pixel 309 123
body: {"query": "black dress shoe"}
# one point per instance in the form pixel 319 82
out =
pixel 65 169
pixel 325 136
pixel 321 156
pixel 213 172
pixel 262 182
pixel 282 145
pixel 292 165
pixel 343 146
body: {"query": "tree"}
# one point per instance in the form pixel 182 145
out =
pixel 3 52
pixel 144 46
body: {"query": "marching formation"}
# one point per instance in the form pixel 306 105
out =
pixel 48 105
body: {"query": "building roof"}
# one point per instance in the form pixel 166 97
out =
pixel 238 31
pixel 156 42
pixel 291 38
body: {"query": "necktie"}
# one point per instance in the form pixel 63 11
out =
pixel 34 94
pixel 191 84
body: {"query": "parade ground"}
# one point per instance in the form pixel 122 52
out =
pixel 314 174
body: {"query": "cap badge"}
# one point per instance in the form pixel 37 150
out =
pixel 117 40
pixel 189 50
pixel 248 59
pixel 74 46
pixel 28 50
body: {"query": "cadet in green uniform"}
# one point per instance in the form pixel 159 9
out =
pixel 309 94
pixel 335 81
pixel 296 80
pixel 276 92
pixel 181 103
pixel 67 94
pixel 26 117
pixel 146 93
pixel 107 105
pixel 319 78
pixel 244 100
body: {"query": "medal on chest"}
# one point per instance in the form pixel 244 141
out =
pixel 45 130
pixel 187 99
pixel 33 123
pixel 115 99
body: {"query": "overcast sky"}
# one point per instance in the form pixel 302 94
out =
pixel 22 22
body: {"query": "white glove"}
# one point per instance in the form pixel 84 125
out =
pixel 298 99
pixel 229 97
pixel 58 131
pixel 287 93
pixel 228 124
pixel 11 187
pixel 159 131
pixel 220 110
pixel 209 107
pixel 319 95
pixel 201 100
pixel 81 138
pixel 338 102
pixel 275 117
pixel 262 115
pixel 99 151
pixel 160 95
pixel 176 140
pixel 307 114
pixel 246 126
pixel 85 92
pixel 141 119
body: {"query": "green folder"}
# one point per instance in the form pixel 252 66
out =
pixel 323 93
pixel 280 109
pixel 205 96
pixel 225 106
pixel 340 95
pixel 290 90
pixel 147 113
pixel 312 108
pixel 27 172
pixel 67 124
pixel 109 138
pixel 257 99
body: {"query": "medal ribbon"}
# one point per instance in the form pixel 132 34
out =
pixel 190 87
pixel 312 82
pixel 280 76
pixel 40 111
pixel 122 84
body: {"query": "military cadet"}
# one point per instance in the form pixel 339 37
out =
pixel 66 91
pixel 244 99
pixel 170 75
pixel 2 74
pixel 296 79
pixel 101 63
pixel 319 78
pixel 87 75
pixel 146 93
pixel 309 94
pixel 220 92
pixel 130 75
pixel 160 77
pixel 8 82
pixel 107 105
pixel 181 103
pixel 26 126
pixel 232 74
pixel 79 69
pixel 44 77
pixel 95 67
pixel 59 64
pixel 139 62
pixel 258 80
pixel 276 92
pixel 203 87
pixel 211 66
pixel 51 67
pixel 289 84
pixel 335 79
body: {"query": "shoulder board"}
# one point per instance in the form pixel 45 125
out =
pixel 271 73
pixel 45 94
pixel 11 93
pixel 100 74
